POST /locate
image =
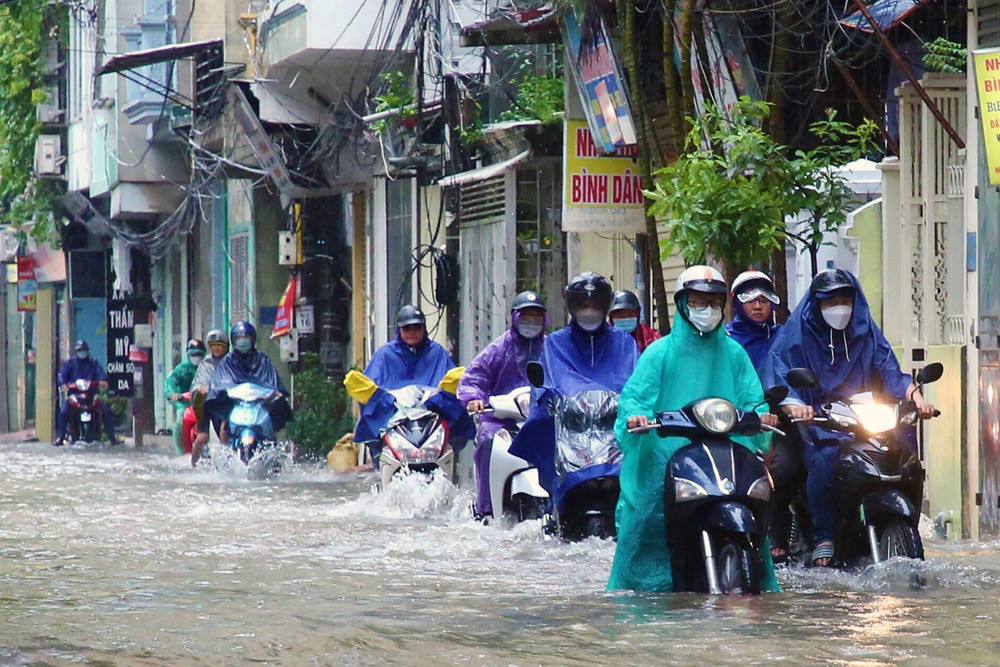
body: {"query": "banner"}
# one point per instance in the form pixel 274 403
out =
pixel 286 310
pixel 121 340
pixel 27 285
pixel 987 66
pixel 600 193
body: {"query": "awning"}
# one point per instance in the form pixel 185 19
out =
pixel 520 26
pixel 482 173
pixel 160 54
pixel 887 14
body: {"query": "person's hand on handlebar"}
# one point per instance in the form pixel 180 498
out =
pixel 925 410
pixel 635 421
pixel 801 412
pixel 767 419
pixel 475 405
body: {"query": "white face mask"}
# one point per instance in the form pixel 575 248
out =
pixel 705 319
pixel 530 330
pixel 838 317
pixel 589 319
pixel 195 359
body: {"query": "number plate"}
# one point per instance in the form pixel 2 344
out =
pixel 85 417
pixel 304 320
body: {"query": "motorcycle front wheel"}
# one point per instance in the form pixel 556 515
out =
pixel 738 568
pixel 896 537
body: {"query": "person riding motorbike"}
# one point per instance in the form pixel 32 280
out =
pixel 498 369
pixel 412 358
pixel 245 363
pixel 588 354
pixel 832 333
pixel 83 367
pixel 754 327
pixel 624 315
pixel 177 386
pixel 218 345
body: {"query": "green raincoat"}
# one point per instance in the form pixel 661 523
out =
pixel 672 372
pixel 179 382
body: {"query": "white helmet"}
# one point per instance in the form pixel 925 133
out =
pixel 699 279
pixel 751 284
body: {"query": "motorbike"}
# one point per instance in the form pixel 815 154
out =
pixel 416 439
pixel 717 496
pixel 85 407
pixel 251 433
pixel 514 483
pixel 879 480
pixel 587 462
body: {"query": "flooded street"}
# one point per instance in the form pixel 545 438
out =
pixel 131 557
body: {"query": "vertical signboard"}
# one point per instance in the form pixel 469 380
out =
pixel 987 65
pixel 27 284
pixel 601 193
pixel 121 337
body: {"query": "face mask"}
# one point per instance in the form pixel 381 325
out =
pixel 529 330
pixel 197 359
pixel 243 345
pixel 82 355
pixel 838 317
pixel 589 319
pixel 626 324
pixel 705 319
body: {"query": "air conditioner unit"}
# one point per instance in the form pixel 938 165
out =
pixel 49 114
pixel 8 245
pixel 48 155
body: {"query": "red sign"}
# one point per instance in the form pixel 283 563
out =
pixel 27 284
pixel 286 307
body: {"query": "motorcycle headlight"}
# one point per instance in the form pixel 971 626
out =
pixel 247 438
pixel 401 447
pixel 434 442
pixel 875 417
pixel 685 489
pixel 524 404
pixel 716 415
pixel 82 385
pixel 761 489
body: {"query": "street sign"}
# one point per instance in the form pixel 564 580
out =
pixel 121 339
pixel 304 320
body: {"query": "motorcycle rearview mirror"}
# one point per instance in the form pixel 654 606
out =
pixel 776 394
pixel 536 374
pixel 802 378
pixel 930 373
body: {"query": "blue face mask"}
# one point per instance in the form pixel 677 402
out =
pixel 243 344
pixel 626 324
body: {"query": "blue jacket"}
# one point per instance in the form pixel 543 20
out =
pixel 755 337
pixel 82 369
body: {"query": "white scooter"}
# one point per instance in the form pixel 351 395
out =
pixel 514 485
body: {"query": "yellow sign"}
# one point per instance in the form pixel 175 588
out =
pixel 600 193
pixel 987 66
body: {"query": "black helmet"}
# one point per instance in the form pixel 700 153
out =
pixel 194 346
pixel 527 299
pixel 216 336
pixel 624 300
pixel 588 288
pixel 81 346
pixel 409 315
pixel 243 328
pixel 826 283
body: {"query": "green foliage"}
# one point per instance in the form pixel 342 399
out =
pixel 728 196
pixel 538 98
pixel 942 55
pixel 24 199
pixel 397 93
pixel 324 412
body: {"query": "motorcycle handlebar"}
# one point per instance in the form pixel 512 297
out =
pixel 653 425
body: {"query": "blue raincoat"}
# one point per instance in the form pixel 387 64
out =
pixel 396 365
pixel 755 337
pixel 236 368
pixel 674 371
pixel 574 361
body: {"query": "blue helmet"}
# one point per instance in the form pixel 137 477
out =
pixel 243 329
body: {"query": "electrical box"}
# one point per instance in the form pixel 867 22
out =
pixel 288 252
pixel 290 347
pixel 48 155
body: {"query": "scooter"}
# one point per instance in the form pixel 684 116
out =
pixel 514 484
pixel 587 462
pixel 879 480
pixel 717 496
pixel 251 434
pixel 415 439
pixel 85 408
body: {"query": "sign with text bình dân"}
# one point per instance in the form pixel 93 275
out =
pixel 987 66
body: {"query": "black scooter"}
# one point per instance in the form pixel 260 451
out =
pixel 717 496
pixel 879 481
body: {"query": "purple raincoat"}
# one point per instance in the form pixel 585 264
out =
pixel 498 369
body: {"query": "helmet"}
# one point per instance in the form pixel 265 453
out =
pixel 699 279
pixel 81 346
pixel 243 328
pixel 624 300
pixel 195 346
pixel 216 336
pixel 588 288
pixel 832 280
pixel 751 284
pixel 527 299
pixel 409 315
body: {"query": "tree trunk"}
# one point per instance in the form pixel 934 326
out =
pixel 779 273
pixel 687 85
pixel 781 46
pixel 674 97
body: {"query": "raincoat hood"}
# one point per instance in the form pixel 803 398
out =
pixel 755 337
pixel 676 370
pixel 858 358
pixel 576 360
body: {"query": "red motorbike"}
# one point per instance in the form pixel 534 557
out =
pixel 85 409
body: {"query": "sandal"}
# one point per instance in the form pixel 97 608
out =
pixel 822 555
pixel 779 555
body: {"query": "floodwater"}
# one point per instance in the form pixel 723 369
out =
pixel 130 557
